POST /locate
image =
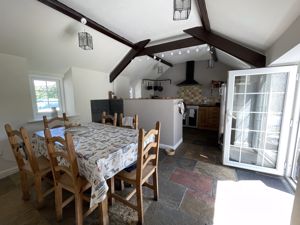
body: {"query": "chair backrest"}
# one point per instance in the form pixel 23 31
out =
pixel 54 121
pixel 108 119
pixel 146 157
pixel 21 147
pixel 62 149
pixel 135 122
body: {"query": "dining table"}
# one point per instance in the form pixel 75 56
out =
pixel 102 151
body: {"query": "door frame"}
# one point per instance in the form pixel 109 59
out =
pixel 295 132
pixel 285 124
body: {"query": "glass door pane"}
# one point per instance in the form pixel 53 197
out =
pixel 256 106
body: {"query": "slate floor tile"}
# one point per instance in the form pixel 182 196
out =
pixel 198 208
pixel 187 185
pixel 14 211
pixel 6 184
pixel 170 193
pixel 216 171
pixel 159 214
pixel 192 180
pixel 170 163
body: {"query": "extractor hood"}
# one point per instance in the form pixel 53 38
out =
pixel 189 75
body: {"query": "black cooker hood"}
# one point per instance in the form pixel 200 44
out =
pixel 189 79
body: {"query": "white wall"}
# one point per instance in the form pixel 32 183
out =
pixel 152 110
pixel 288 40
pixel 121 86
pixel 202 74
pixel 15 100
pixel 69 93
pixel 88 85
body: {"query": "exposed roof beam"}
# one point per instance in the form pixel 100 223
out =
pixel 91 23
pixel 137 48
pixel 173 45
pixel 241 52
pixel 205 24
pixel 203 14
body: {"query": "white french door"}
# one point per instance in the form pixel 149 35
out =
pixel 258 114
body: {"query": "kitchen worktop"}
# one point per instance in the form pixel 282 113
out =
pixel 204 105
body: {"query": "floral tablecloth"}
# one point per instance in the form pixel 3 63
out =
pixel 102 151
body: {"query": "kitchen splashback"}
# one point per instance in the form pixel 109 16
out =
pixel 191 94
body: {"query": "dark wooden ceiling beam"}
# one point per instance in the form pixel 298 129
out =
pixel 201 5
pixel 91 23
pixel 203 14
pixel 173 45
pixel 137 48
pixel 254 58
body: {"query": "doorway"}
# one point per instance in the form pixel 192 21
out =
pixel 257 125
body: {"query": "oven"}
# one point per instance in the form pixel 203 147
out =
pixel 190 118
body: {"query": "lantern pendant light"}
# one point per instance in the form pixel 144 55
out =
pixel 85 39
pixel 182 9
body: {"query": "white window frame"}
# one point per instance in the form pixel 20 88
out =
pixel 59 81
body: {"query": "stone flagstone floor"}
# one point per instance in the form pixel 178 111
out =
pixel 187 183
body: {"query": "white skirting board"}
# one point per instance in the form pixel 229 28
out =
pixel 7 172
pixel 169 146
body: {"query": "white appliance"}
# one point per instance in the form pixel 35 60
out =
pixel 222 92
pixel 191 116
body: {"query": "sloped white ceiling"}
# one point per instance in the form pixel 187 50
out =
pixel 49 41
pixel 289 58
pixel 254 23
pixel 136 20
pixel 143 67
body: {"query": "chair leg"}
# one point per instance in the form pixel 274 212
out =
pixel 155 185
pixel 78 208
pixel 58 202
pixel 111 190
pixel 103 211
pixel 122 185
pixel 140 209
pixel 25 186
pixel 38 190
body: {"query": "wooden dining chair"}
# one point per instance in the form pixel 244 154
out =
pixel 108 119
pixel 146 166
pixel 135 122
pixel 55 121
pixel 29 164
pixel 67 178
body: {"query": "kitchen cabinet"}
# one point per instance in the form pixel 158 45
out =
pixel 208 118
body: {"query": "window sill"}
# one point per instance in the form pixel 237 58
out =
pixel 41 120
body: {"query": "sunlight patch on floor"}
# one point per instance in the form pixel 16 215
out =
pixel 251 203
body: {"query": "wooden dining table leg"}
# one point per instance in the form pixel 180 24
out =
pixel 103 211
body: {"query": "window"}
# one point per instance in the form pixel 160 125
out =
pixel 46 94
